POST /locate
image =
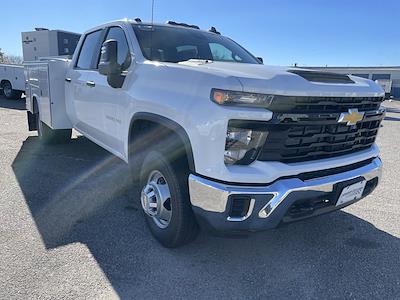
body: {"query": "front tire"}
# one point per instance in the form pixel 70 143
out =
pixel 165 201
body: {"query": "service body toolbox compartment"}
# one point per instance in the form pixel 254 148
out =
pixel 45 86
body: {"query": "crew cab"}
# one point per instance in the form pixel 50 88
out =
pixel 213 137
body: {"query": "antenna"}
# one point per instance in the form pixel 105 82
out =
pixel 152 12
pixel 152 28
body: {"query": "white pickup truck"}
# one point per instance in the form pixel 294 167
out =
pixel 213 137
pixel 12 80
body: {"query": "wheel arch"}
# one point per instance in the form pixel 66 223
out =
pixel 4 81
pixel 167 123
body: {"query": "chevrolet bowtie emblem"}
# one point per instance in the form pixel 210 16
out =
pixel 351 117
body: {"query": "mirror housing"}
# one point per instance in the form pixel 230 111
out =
pixel 260 59
pixel 108 64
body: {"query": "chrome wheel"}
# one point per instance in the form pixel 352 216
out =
pixel 156 199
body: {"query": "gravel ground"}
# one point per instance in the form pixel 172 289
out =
pixel 68 230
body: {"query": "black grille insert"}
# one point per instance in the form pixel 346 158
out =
pixel 310 138
pixel 304 104
pixel 333 171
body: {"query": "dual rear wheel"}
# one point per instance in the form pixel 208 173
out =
pixel 51 136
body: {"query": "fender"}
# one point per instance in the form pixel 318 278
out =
pixel 168 123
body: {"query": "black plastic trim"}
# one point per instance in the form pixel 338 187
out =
pixel 32 121
pixel 172 125
pixel 302 176
pixel 325 77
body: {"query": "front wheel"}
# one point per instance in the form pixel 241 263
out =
pixel 165 201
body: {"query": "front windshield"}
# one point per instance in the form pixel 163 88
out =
pixel 174 44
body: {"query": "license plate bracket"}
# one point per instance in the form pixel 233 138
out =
pixel 351 192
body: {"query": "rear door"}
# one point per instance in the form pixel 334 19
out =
pixel 82 108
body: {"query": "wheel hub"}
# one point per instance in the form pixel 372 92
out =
pixel 150 201
pixel 156 199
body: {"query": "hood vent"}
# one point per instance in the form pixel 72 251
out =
pixel 324 77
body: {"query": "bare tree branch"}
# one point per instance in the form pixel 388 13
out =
pixel 10 59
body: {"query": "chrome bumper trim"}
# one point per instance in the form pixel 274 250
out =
pixel 212 196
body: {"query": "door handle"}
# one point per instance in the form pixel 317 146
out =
pixel 90 83
pixel 68 79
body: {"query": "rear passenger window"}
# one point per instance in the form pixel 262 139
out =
pixel 187 52
pixel 117 33
pixel 88 49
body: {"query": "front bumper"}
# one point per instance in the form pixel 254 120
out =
pixel 284 200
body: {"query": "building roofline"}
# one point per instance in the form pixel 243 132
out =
pixel 51 30
pixel 351 67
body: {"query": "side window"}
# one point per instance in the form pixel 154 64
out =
pixel 221 53
pixel 187 52
pixel 117 33
pixel 89 47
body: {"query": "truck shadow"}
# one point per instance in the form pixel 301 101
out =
pixel 392 110
pixel 12 104
pixel 391 119
pixel 391 114
pixel 77 192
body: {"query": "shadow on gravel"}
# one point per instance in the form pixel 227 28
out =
pixel 77 192
pixel 12 104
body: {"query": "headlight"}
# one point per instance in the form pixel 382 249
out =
pixel 224 97
pixel 243 142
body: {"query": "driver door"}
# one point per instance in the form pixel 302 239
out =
pixel 109 104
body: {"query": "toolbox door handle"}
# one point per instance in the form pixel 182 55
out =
pixel 90 83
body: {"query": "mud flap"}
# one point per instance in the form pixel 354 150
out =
pixel 32 124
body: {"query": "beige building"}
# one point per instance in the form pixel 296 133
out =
pixel 43 43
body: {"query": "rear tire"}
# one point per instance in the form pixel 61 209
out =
pixel 8 91
pixel 51 136
pixel 171 221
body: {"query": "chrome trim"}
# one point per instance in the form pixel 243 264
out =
pixel 248 214
pixel 213 196
pixel 323 184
